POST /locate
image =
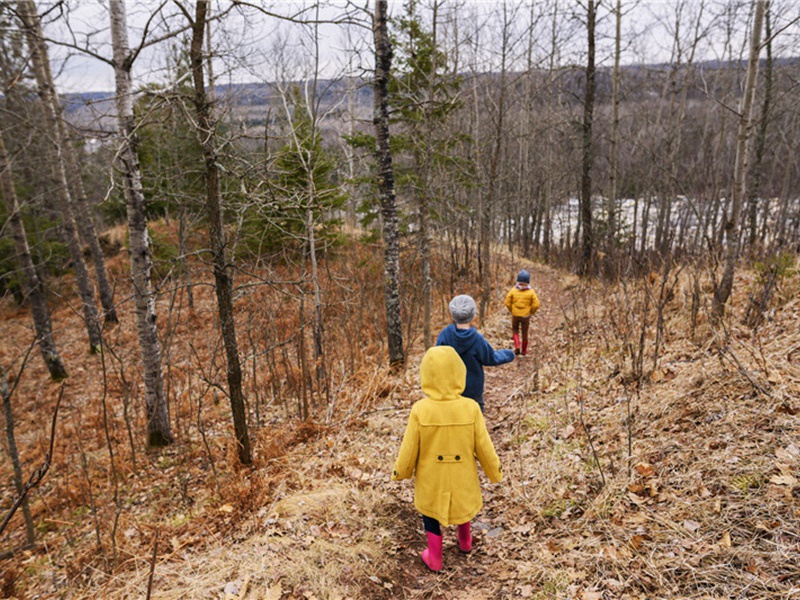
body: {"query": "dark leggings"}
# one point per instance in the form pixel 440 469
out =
pixel 431 525
pixel 518 323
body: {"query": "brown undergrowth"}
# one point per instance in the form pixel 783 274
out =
pixel 645 457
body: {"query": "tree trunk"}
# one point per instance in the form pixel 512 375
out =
pixel 87 231
pixel 34 291
pixel 5 393
pixel 723 291
pixel 494 169
pixel 383 157
pixel 222 278
pixel 56 155
pixel 158 428
pixel 761 137
pixel 611 207
pixel 587 249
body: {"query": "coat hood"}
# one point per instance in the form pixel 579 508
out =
pixel 461 339
pixel 442 373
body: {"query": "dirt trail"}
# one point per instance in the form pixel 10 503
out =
pixel 485 573
pixel 338 527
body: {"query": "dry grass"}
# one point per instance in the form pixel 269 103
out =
pixel 710 508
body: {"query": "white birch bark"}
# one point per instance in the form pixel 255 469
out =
pixel 127 162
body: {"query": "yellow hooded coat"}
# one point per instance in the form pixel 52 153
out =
pixel 522 303
pixel 445 434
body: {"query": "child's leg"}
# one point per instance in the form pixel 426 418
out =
pixel 432 555
pixel 431 525
pixel 525 323
pixel 515 324
pixel 464 537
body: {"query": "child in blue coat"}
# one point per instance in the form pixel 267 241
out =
pixel 471 346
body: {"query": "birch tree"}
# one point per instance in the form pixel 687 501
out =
pixel 725 286
pixel 34 290
pixel 127 163
pixel 63 203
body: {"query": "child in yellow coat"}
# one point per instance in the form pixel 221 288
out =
pixel 522 301
pixel 445 434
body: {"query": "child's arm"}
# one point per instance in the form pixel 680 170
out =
pixel 509 298
pixel 409 450
pixel 534 302
pixel 489 357
pixel 484 450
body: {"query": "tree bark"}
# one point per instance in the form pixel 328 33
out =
pixel 761 137
pixel 587 249
pixel 383 157
pixel 725 286
pixel 158 427
pixel 222 278
pixel 86 227
pixel 33 286
pixel 56 155
pixel 611 208
pixel 13 452
pixel 494 169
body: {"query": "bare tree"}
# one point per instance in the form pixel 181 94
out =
pixel 56 156
pixel 224 288
pixel 383 156
pixel 33 286
pixel 725 286
pixel 86 227
pixel 127 162
pixel 761 135
pixel 587 246
pixel 8 413
pixel 611 209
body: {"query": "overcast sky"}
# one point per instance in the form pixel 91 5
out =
pixel 254 47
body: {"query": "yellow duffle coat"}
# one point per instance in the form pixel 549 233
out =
pixel 445 434
pixel 522 303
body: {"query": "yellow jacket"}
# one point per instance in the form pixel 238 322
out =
pixel 522 303
pixel 445 434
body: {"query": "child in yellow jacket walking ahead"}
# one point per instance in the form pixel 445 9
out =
pixel 522 301
pixel 445 434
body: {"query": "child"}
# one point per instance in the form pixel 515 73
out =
pixel 445 434
pixel 471 346
pixel 522 301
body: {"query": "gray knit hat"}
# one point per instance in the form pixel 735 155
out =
pixel 462 308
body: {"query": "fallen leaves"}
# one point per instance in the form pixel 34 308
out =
pixel 783 480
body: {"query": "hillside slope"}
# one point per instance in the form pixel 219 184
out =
pixel 710 509
pixel 684 488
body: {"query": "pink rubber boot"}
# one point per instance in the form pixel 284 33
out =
pixel 464 537
pixel 516 343
pixel 432 555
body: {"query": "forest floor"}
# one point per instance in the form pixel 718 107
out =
pixel 686 487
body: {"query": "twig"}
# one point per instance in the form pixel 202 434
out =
pixel 152 566
pixel 37 476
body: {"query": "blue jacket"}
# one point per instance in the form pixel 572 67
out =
pixel 476 353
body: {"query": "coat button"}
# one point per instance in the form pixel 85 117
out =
pixel 441 458
pixel 458 457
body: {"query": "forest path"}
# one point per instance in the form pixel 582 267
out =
pixel 336 527
pixel 501 530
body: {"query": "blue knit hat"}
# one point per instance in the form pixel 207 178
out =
pixel 524 276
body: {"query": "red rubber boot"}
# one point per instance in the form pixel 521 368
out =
pixel 524 348
pixel 516 343
pixel 464 538
pixel 432 555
